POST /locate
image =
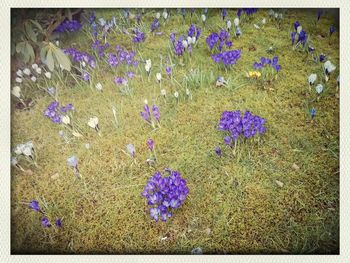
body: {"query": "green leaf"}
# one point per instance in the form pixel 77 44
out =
pixel 49 60
pixel 43 52
pixel 29 51
pixel 62 59
pixel 30 32
pixel 20 46
pixel 35 23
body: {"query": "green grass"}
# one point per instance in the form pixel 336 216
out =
pixel 234 205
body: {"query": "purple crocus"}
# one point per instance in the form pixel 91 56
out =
pixel 331 30
pixel 319 13
pixel 156 113
pixel 58 222
pixel 34 205
pixel 85 75
pixel 168 70
pixel 218 151
pixel 293 37
pixel 296 24
pixel 322 57
pixel 312 112
pixel 150 144
pixel 45 222
pixel 146 114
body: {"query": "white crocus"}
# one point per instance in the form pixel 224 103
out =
pixel 299 28
pixel 147 67
pixel 57 43
pixel 176 94
pixel 256 26
pixel 158 15
pixel 204 17
pixel 236 22
pixel 165 15
pixel 83 64
pixel 26 71
pixel 27 151
pixel 145 101
pixel 184 43
pixel 33 78
pixel 187 92
pixel 19 80
pixel 159 76
pixel 38 71
pixel 163 92
pixel 14 161
pixel 66 119
pixel 149 62
pixel 16 91
pixel 312 78
pixel 48 75
pixel 319 88
pixel 35 66
pixel 93 123
pixel 263 21
pixel 194 40
pixel 98 86
pixel 189 40
pixel 329 67
pixel 19 73
pixel 228 24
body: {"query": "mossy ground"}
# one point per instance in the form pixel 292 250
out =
pixel 234 205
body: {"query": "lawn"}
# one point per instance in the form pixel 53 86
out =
pixel 275 193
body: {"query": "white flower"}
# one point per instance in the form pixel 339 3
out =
pixel 27 151
pixel 35 66
pixel 38 70
pixel 163 92
pixel 158 15
pixel 276 15
pixel 176 94
pixel 48 75
pixel 26 71
pixel 145 101
pixel 98 86
pixel 263 21
pixel 149 62
pixel 187 92
pixel 33 78
pixel 147 67
pixel 66 119
pixel 299 28
pixel 72 161
pixel 159 76
pixel 194 39
pixel 19 149
pixel 271 12
pixel 319 88
pixel 329 67
pixel 19 73
pixel 131 149
pixel 256 26
pixel 57 43
pixel 19 80
pixel 16 91
pixel 189 40
pixel 87 146
pixel 83 64
pixel 312 78
pixel 93 122
pixel 228 24
pixel 165 15
pixel 236 22
pixel 184 43
pixel 102 21
pixel 204 17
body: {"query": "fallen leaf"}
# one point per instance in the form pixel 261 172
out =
pixel 295 167
pixel 279 183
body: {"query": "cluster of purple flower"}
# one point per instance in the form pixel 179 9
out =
pixel 267 62
pixel 165 194
pixel 120 81
pixel 69 26
pixel 228 58
pixel 247 11
pixel 45 222
pixel 214 38
pixel 53 111
pixel 302 36
pixel 100 47
pixel 194 31
pixel 146 114
pixel 122 56
pixel 139 36
pixel 247 126
pixel 79 56
pixel 155 24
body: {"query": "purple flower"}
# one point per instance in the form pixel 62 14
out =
pixel 155 24
pixel 34 205
pixel 239 12
pixel 130 74
pixel 319 13
pixel 139 36
pixel 150 144
pixel 311 48
pixel 296 24
pixel 120 81
pixel 322 57
pixel 69 26
pixel 228 140
pixel 156 113
pixel 302 37
pixel 58 222
pixel 154 213
pixel 146 114
pixel 312 113
pixel 131 149
pixel 212 39
pixel 45 222
pixel 85 75
pixel 168 70
pixel 223 13
pixel 293 37
pixel 218 151
pixel 228 58
pixel 172 37
pixel 331 30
